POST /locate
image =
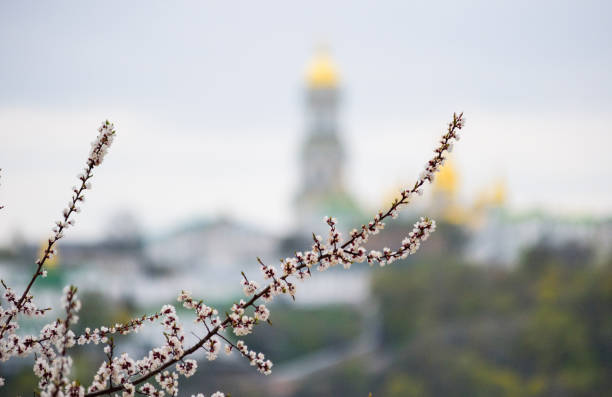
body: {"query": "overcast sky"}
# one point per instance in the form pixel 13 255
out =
pixel 207 101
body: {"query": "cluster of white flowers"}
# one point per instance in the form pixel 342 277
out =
pixel 27 308
pixel 99 147
pixel 262 313
pixel 241 323
pixel 101 335
pixel 53 365
pixel 257 359
pixel 203 312
pixel 187 367
pixel 212 346
pixel 216 394
pixel 249 287
pixel 121 370
pixel 149 390
pixel 168 381
pixel 410 245
pixel 165 363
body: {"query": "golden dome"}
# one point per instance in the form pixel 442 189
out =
pixel 499 193
pixel 51 262
pixel 321 72
pixel 446 180
pixel 494 195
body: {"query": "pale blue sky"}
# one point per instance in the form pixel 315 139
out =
pixel 207 100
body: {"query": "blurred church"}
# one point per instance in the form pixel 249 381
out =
pixel 484 231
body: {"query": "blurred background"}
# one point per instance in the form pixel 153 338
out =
pixel 240 125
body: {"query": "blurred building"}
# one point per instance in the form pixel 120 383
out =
pixel 496 235
pixel 215 246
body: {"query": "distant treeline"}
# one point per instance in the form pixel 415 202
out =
pixel 543 328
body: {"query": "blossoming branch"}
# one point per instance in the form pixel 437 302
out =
pixel 157 373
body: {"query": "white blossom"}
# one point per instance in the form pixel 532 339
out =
pixel 249 287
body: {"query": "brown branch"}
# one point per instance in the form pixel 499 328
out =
pixel 51 243
pixel 93 160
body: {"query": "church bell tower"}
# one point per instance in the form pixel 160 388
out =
pixel 322 155
pixel 321 182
